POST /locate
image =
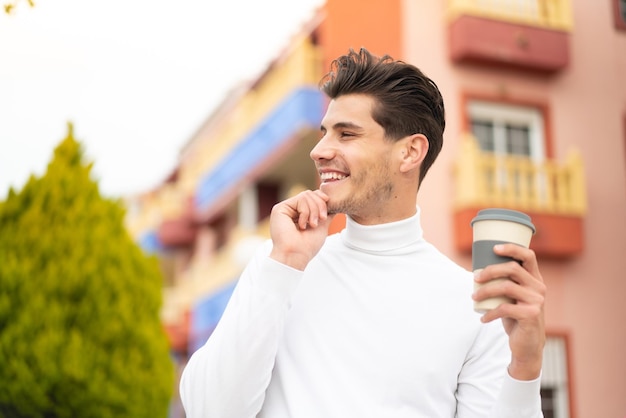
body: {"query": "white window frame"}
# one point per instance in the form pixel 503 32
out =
pixel 554 374
pixel 500 114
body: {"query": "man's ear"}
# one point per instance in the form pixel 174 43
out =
pixel 414 149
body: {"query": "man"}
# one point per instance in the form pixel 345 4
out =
pixel 374 321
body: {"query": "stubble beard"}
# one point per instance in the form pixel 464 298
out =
pixel 365 197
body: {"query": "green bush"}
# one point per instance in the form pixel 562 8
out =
pixel 80 334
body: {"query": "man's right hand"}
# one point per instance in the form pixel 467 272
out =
pixel 298 227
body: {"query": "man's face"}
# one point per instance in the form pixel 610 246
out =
pixel 354 160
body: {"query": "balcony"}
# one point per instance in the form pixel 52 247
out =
pixel 279 112
pixel 179 232
pixel 176 227
pixel 530 35
pixel 553 194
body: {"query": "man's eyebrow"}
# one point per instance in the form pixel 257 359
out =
pixel 343 125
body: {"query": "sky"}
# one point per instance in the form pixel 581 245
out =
pixel 136 78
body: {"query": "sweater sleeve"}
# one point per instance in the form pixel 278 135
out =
pixel 485 389
pixel 228 376
pixel 518 399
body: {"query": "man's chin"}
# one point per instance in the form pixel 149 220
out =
pixel 339 203
pixel 334 208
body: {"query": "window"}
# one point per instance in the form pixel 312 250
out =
pixel 268 195
pixel 547 402
pixel 507 129
pixel 513 138
pixel 554 379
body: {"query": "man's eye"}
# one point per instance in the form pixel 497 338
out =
pixel 346 134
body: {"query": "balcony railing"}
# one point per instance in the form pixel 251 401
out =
pixel 485 179
pixel 148 211
pixel 554 14
pixel 553 194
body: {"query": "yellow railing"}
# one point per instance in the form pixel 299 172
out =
pixel 555 14
pixel 146 212
pixel 485 179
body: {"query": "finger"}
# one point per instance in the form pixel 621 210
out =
pixel 512 290
pixel 514 311
pixel 319 199
pixel 527 303
pixel 304 212
pixel 311 207
pixel 294 209
pixel 519 278
pixel 525 256
pixel 511 269
pixel 325 223
pixel 323 206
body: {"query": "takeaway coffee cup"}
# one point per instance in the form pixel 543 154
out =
pixel 497 226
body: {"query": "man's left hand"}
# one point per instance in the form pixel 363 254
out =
pixel 523 319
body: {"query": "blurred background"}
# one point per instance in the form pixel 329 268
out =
pixel 201 116
pixel 137 78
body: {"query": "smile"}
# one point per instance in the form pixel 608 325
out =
pixel 332 176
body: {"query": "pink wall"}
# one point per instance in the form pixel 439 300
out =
pixel 587 104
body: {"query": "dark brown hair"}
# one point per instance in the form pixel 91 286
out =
pixel 407 102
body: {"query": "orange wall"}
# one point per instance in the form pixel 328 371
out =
pixel 372 24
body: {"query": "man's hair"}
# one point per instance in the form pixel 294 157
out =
pixel 406 101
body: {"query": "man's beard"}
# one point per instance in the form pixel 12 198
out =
pixel 356 203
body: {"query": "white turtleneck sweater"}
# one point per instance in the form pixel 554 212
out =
pixel 379 324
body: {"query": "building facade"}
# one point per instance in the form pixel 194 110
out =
pixel 536 121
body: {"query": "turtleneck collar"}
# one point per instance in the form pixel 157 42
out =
pixel 383 238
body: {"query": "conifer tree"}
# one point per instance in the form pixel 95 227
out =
pixel 80 334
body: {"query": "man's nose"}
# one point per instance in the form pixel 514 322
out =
pixel 322 150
